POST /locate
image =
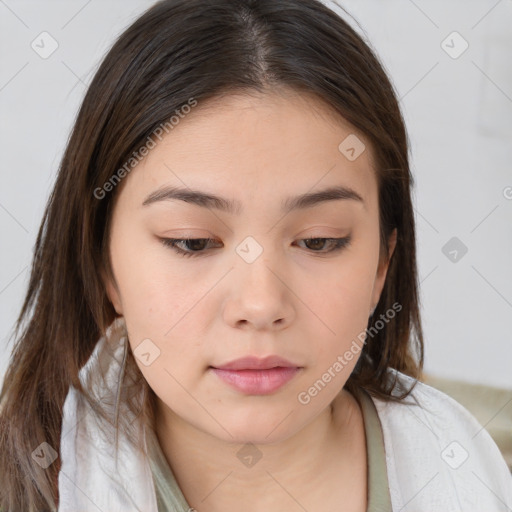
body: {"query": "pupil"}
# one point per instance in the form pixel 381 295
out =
pixel 197 243
pixel 318 242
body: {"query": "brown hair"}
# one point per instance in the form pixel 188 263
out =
pixel 177 50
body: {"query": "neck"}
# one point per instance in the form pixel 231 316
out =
pixel 218 474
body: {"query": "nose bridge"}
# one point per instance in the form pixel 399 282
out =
pixel 259 293
pixel 258 263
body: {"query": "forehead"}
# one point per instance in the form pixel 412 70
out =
pixel 258 145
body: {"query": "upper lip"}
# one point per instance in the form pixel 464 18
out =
pixel 256 363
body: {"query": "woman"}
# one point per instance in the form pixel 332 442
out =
pixel 223 305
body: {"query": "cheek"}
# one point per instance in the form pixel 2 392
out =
pixel 160 313
pixel 151 290
pixel 342 301
pixel 168 353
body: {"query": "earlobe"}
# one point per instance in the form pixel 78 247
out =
pixel 382 270
pixel 392 243
pixel 113 294
pixel 114 298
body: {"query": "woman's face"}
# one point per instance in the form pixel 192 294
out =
pixel 260 287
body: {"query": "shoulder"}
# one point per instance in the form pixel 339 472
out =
pixel 439 457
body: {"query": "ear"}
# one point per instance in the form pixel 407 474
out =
pixel 113 292
pixel 382 270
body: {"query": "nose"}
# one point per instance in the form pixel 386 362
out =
pixel 260 296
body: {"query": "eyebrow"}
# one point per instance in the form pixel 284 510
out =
pixel 232 207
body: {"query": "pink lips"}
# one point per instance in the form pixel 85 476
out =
pixel 256 376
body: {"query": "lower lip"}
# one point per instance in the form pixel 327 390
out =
pixel 257 382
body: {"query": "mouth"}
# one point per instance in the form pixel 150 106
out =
pixel 257 363
pixel 257 382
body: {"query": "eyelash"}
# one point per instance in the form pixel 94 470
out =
pixel 339 244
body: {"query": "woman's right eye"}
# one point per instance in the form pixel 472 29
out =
pixel 197 245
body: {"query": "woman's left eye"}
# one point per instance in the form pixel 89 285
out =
pixel 336 244
pixel 198 244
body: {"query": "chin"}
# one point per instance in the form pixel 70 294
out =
pixel 258 428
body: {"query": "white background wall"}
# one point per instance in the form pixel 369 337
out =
pixel 459 115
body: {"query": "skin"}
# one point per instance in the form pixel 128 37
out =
pixel 209 309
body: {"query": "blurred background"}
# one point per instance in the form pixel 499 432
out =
pixel 450 63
